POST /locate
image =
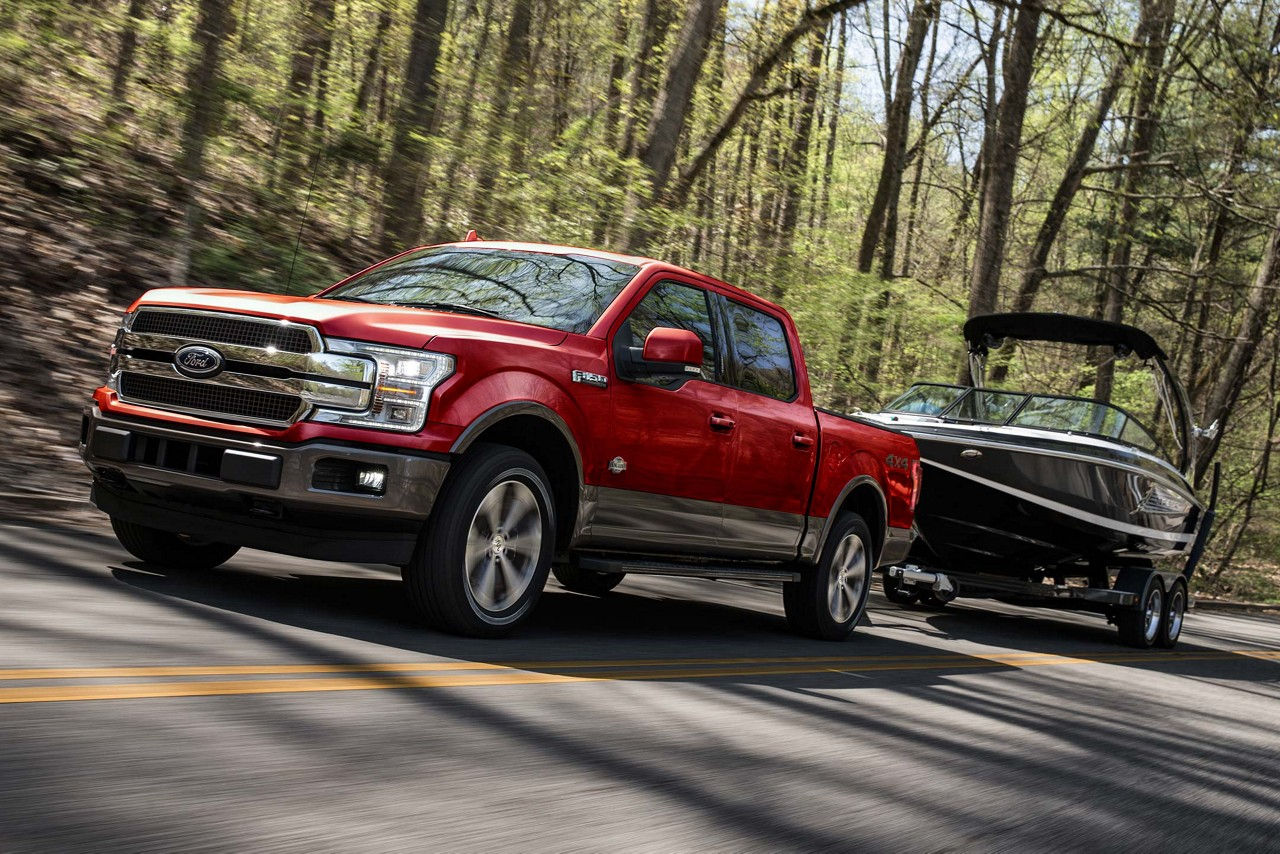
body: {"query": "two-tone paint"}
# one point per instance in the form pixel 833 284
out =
pixel 700 469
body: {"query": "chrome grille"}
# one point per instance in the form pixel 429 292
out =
pixel 224 329
pixel 197 396
pixel 274 371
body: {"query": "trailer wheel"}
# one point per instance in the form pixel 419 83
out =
pixel 1140 627
pixel 895 591
pixel 1175 609
pixel 829 599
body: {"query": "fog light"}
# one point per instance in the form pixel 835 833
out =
pixel 372 479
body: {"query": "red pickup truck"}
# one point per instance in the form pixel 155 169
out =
pixel 481 414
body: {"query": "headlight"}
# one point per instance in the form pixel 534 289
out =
pixel 401 390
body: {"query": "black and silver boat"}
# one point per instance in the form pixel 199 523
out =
pixel 1023 488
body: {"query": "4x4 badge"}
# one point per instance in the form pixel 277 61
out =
pixel 617 465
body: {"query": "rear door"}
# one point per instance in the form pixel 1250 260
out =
pixel 671 441
pixel 777 434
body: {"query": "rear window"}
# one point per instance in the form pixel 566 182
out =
pixel 567 292
pixel 761 352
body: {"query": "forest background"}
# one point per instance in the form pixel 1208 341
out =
pixel 883 168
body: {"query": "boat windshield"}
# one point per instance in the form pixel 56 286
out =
pixel 1020 409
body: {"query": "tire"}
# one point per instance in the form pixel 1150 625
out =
pixel 484 557
pixel 588 581
pixel 1140 627
pixel 830 598
pixel 176 551
pixel 895 592
pixel 932 601
pixel 1175 609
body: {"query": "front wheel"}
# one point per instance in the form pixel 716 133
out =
pixel 830 598
pixel 483 560
pixel 178 551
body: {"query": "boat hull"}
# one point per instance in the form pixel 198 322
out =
pixel 1022 506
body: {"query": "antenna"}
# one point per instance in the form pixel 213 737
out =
pixel 306 206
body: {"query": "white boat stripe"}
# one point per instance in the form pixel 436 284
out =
pixel 1067 509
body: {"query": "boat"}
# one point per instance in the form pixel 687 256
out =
pixel 1030 494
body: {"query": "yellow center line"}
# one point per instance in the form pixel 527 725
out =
pixel 401 675
pixel 444 666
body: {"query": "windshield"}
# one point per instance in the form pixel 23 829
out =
pixel 567 292
pixel 1043 411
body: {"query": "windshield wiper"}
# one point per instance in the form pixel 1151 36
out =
pixel 457 307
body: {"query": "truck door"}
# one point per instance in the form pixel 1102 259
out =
pixel 672 439
pixel 777 435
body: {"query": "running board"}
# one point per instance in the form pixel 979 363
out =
pixel 686 570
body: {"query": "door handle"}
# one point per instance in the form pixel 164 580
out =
pixel 971 453
pixel 722 423
pixel 802 441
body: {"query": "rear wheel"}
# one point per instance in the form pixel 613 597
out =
pixel 483 560
pixel 588 581
pixel 162 548
pixel 830 598
pixel 1140 627
pixel 895 591
pixel 1175 609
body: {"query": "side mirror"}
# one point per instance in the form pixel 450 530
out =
pixel 667 353
pixel 677 347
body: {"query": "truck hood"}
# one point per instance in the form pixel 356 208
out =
pixel 391 325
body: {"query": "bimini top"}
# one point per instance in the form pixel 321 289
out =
pixel 987 330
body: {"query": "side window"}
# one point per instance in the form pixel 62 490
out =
pixel 761 351
pixel 674 306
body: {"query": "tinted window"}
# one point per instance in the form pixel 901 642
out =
pixel 761 351
pixel 675 307
pixel 567 292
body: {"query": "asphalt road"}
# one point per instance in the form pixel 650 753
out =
pixel 280 704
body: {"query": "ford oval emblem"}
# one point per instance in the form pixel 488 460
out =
pixel 198 361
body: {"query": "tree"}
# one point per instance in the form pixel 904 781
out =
pixel 1000 162
pixel 204 108
pixel 401 207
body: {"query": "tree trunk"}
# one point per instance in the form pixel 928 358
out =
pixel 401 206
pixel 1034 273
pixel 833 123
pixel 204 111
pixel 798 167
pixel 315 33
pixel 451 190
pixel 128 50
pixel 671 107
pixel 1146 112
pixel 897 123
pixel 751 93
pixel 1001 160
pixel 617 69
pixel 370 74
pixel 644 78
pixel 1226 390
pixel 510 79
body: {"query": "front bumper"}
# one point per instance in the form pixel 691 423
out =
pixel 289 498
